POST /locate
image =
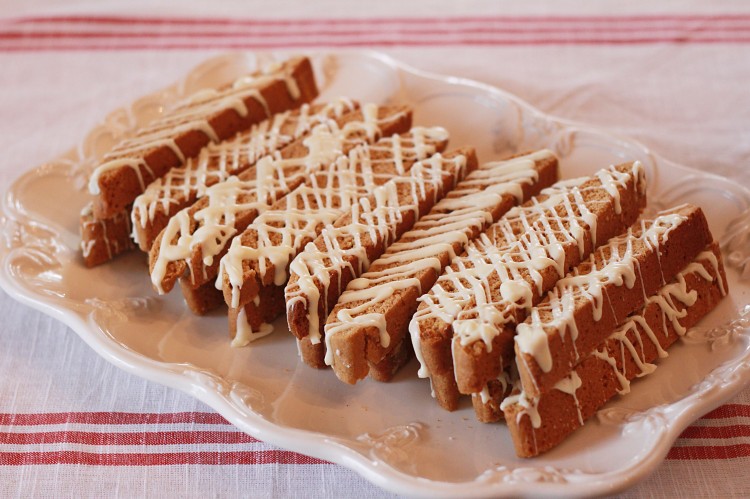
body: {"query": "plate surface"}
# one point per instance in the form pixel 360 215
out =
pixel 393 434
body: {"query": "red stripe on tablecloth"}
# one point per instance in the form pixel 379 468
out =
pixel 129 438
pixel 729 411
pixel 698 452
pixel 159 459
pixel 320 31
pixel 111 418
pixel 367 43
pixel 555 19
pixel 729 431
pixel 384 32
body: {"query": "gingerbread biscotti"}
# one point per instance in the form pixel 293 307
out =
pixel 182 186
pixel 344 250
pixel 370 320
pixel 197 237
pixel 208 116
pixel 495 279
pixel 102 239
pixel 586 305
pixel 259 258
pixel 539 423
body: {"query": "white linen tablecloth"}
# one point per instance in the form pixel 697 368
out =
pixel 71 424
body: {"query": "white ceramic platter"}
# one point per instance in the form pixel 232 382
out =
pixel 393 434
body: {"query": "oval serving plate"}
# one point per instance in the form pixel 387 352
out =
pixel 393 434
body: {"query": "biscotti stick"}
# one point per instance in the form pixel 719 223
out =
pixel 584 307
pixel 538 424
pixel 260 257
pixel 207 116
pixel 372 315
pixel 196 238
pixel 553 231
pixel 104 239
pixel 182 186
pixel 344 250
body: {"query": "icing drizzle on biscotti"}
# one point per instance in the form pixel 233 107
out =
pixel 613 264
pixel 210 227
pixel 98 244
pixel 516 248
pixel 373 223
pixel 464 211
pixel 671 303
pixel 275 237
pixel 218 161
pixel 192 114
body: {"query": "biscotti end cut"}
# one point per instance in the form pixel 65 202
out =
pixel 103 239
pixel 203 299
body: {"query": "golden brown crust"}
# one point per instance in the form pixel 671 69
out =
pixel 559 411
pixel 118 187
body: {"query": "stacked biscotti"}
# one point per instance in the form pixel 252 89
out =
pixel 255 270
pixel 344 249
pixel 464 328
pixel 559 291
pixel 608 321
pixel 182 186
pixel 209 116
pixel 368 326
pixel 196 238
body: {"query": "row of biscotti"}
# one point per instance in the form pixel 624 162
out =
pixel 165 164
pixel 556 395
pixel 465 331
pixel 541 296
pixel 279 206
pixel 328 230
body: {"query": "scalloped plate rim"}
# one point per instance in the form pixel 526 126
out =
pixel 323 446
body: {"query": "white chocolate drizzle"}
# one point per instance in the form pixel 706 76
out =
pixel 218 161
pixel 673 302
pixel 373 223
pixel 244 333
pixel 529 239
pixel 212 226
pixel 278 235
pixel 193 114
pixel 612 264
pixel 466 210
